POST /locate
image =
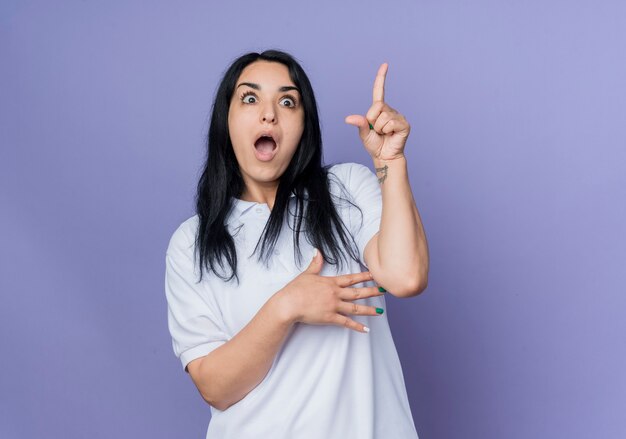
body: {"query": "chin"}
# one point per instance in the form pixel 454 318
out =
pixel 264 173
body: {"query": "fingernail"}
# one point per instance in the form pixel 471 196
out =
pixel 382 290
pixel 366 329
pixel 371 127
pixel 379 310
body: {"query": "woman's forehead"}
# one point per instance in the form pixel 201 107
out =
pixel 266 74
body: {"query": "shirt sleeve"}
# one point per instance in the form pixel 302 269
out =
pixel 364 189
pixel 194 320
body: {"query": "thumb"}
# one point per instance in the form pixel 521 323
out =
pixel 360 122
pixel 316 263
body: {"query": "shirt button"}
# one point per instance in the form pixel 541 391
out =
pixel 258 210
pixel 276 252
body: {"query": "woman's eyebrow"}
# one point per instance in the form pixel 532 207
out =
pixel 258 87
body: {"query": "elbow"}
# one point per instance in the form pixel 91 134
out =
pixel 221 406
pixel 208 398
pixel 411 288
pixel 220 401
pixel 407 285
pixel 421 285
pixel 404 281
pixel 205 385
pixel 216 403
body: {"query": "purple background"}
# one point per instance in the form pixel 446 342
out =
pixel 517 160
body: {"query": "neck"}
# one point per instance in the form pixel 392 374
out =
pixel 263 194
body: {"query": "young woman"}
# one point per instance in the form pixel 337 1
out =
pixel 273 306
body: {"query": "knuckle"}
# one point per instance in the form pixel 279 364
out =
pixel 333 303
pixel 332 292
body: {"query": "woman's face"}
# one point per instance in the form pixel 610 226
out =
pixel 265 121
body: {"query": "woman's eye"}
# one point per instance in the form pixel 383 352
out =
pixel 288 102
pixel 248 99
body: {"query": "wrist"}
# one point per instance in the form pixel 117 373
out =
pixel 395 167
pixel 396 161
pixel 282 309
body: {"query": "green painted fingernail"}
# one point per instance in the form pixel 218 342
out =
pixel 371 127
pixel 379 310
pixel 382 290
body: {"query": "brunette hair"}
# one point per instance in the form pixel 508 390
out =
pixel 305 177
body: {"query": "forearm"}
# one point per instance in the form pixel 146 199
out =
pixel 402 248
pixel 230 372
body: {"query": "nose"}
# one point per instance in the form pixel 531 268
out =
pixel 268 115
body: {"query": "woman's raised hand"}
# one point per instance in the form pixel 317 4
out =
pixel 327 300
pixel 390 130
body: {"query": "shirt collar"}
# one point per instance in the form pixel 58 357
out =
pixel 240 207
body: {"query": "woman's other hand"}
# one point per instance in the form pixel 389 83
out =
pixel 383 130
pixel 327 300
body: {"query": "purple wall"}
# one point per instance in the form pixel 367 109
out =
pixel 517 158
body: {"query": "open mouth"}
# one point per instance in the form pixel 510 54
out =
pixel 265 148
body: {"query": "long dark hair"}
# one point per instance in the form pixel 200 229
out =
pixel 305 177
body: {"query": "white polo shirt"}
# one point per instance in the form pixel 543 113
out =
pixel 326 382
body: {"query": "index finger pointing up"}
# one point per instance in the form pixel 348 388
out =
pixel 379 83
